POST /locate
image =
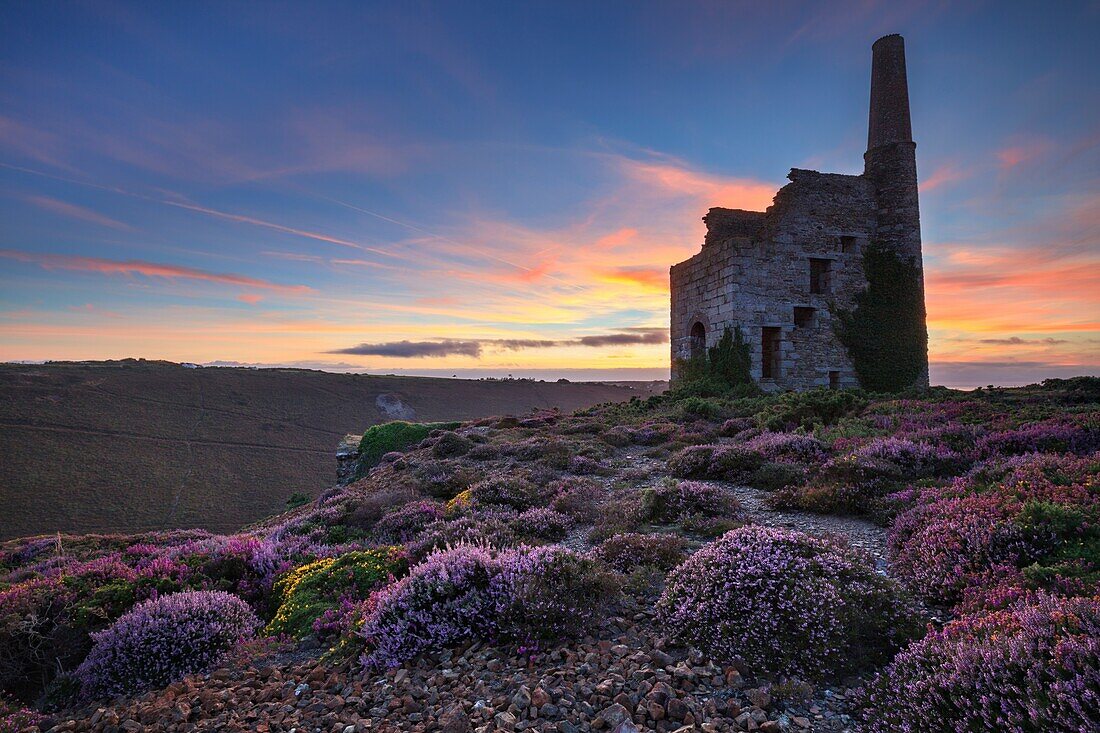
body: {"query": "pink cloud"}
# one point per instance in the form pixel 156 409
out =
pixel 250 298
pixel 1024 152
pixel 942 176
pixel 616 239
pixel 148 269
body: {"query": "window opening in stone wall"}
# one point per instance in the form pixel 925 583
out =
pixel 834 380
pixel 698 340
pixel 819 276
pixel 803 317
pixel 848 245
pixel 769 351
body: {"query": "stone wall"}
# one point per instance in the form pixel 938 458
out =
pixel 754 271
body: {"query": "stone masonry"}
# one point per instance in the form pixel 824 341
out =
pixel 778 274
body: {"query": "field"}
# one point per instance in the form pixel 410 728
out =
pixel 134 445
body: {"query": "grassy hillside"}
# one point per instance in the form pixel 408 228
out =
pixel 133 445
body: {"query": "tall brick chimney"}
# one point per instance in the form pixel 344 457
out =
pixel 891 158
pixel 890 162
pixel 889 118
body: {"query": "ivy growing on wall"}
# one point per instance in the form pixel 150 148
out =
pixel 885 332
pixel 722 368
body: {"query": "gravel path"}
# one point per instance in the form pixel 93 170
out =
pixel 861 533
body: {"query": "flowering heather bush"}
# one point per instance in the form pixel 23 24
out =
pixel 788 447
pixel 654 433
pixel 443 600
pixel 578 498
pixel 511 491
pixel 675 500
pixel 404 523
pixel 586 466
pixel 736 425
pixel 783 603
pixel 14 717
pixel 548 592
pixel 163 639
pixel 1032 668
pixel 624 552
pixel 1051 436
pixel 34 631
pixel 1015 512
pixel 958 437
pixel 443 479
pixel 619 436
pixel 484 452
pixel 914 460
pixel 366 510
pixel 936 547
pixel 309 591
pixel 692 462
pixel 482 528
pixel 470 593
pixel 542 524
pixel 581 427
pixel 716 462
pixel 553 452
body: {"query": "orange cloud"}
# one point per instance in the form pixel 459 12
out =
pixel 647 277
pixel 148 269
pixel 677 178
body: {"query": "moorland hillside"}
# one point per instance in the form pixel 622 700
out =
pixel 132 445
pixel 824 561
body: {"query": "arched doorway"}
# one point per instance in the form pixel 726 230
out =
pixel 698 340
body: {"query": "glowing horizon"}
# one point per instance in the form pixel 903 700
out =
pixel 503 189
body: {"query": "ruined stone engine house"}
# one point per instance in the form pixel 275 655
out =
pixel 780 274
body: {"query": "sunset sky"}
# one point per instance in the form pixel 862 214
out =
pixel 480 188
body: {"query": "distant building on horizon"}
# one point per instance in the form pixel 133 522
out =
pixel 781 275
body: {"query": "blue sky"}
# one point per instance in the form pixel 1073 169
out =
pixel 221 181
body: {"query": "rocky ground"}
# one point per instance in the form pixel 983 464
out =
pixel 626 677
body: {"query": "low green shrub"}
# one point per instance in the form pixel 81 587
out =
pixel 309 590
pixel 810 408
pixel 378 440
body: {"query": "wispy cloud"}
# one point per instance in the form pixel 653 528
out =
pixel 215 213
pixel 73 211
pixel 147 269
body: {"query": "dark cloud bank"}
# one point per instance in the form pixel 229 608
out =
pixel 456 347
